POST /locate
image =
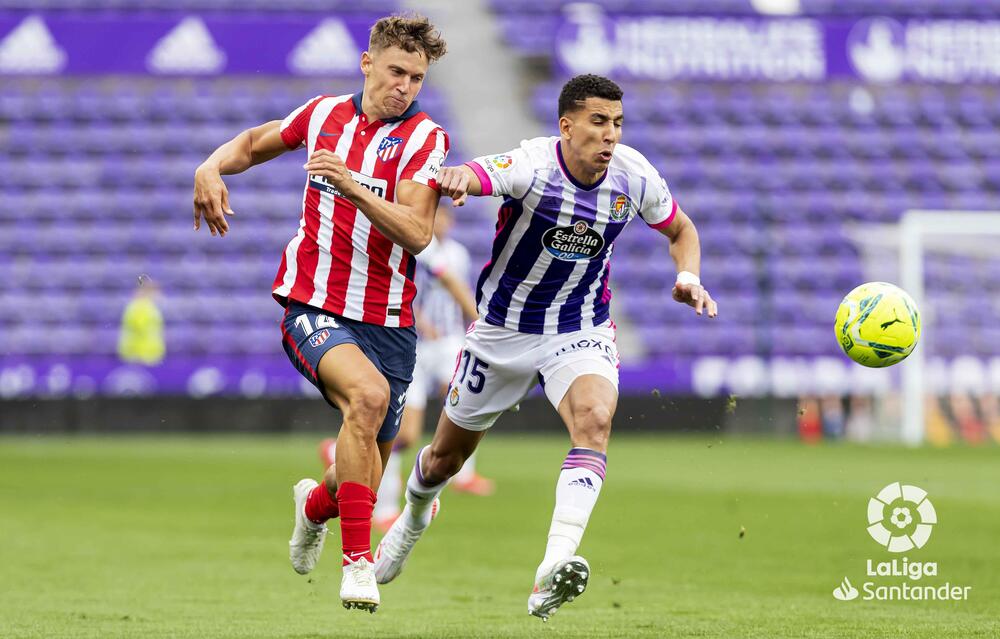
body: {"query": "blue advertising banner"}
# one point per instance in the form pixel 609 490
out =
pixel 181 44
pixel 873 49
pixel 226 375
pixel 272 376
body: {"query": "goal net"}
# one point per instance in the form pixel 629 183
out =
pixel 949 262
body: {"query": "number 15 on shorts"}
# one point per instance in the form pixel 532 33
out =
pixel 474 369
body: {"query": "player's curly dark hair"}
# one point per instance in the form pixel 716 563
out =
pixel 575 92
pixel 410 32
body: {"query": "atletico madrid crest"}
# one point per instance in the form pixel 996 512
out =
pixel 388 147
pixel 318 338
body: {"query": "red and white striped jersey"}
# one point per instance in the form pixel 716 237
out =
pixel 338 261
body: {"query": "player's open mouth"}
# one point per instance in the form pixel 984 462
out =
pixel 605 155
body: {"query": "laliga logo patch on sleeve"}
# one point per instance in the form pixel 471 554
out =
pixel 501 161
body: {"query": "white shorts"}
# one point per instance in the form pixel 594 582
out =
pixel 434 368
pixel 498 367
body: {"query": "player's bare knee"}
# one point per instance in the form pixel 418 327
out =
pixel 592 426
pixel 367 407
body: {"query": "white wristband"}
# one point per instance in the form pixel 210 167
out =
pixel 686 277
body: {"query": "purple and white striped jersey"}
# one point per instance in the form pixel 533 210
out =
pixel 548 271
pixel 433 301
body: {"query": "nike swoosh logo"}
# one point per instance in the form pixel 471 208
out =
pixel 329 135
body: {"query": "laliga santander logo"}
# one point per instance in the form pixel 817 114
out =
pixel 901 518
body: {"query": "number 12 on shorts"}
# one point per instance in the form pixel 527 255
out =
pixel 475 372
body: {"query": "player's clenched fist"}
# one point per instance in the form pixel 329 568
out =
pixel 454 182
pixel 211 200
pixel 695 295
pixel 328 164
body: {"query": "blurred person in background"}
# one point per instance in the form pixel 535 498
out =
pixel 970 426
pixel 832 410
pixel 860 420
pixel 809 421
pixel 940 431
pixel 442 316
pixel 989 407
pixel 140 338
pixel 346 278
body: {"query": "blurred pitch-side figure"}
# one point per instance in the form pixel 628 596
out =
pixel 443 315
pixel 140 338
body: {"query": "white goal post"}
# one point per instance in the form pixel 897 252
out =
pixel 915 227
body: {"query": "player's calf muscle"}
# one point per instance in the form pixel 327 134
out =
pixel 330 480
pixel 439 465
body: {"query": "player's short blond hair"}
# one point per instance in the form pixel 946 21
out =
pixel 410 32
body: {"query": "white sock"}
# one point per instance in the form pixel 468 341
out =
pixel 390 491
pixel 468 470
pixel 419 496
pixel 577 490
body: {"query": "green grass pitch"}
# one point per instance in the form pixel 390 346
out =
pixel 187 538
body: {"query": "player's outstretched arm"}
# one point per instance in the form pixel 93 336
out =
pixel 685 249
pixel 459 182
pixel 211 197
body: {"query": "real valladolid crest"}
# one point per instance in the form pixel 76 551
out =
pixel 901 519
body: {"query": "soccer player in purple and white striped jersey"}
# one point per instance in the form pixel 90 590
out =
pixel 544 316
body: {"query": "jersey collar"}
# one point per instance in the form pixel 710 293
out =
pixel 576 183
pixel 409 113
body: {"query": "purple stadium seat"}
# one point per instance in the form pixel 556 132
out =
pixel 770 173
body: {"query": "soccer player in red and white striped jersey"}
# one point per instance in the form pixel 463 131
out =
pixel 339 260
pixel 346 278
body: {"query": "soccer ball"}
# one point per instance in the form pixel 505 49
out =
pixel 877 324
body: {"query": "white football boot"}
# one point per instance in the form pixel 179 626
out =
pixel 394 549
pixel 565 581
pixel 358 588
pixel 306 544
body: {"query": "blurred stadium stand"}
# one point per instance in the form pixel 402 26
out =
pixel 781 177
pixel 529 24
pixel 776 174
pixel 337 7
pixel 122 156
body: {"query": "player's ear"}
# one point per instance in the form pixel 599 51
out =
pixel 366 63
pixel 565 126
